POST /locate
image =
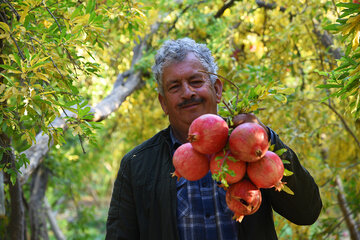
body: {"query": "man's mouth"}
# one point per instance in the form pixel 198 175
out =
pixel 190 102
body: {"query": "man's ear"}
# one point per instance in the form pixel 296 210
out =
pixel 163 103
pixel 218 86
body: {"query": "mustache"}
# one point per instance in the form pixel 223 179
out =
pixel 190 101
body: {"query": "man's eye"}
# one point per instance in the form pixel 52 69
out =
pixel 172 87
pixel 197 82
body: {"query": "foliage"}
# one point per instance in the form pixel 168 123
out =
pixel 65 55
pixel 345 78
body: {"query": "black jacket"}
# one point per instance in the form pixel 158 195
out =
pixel 143 204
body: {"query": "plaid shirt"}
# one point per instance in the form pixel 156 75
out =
pixel 202 212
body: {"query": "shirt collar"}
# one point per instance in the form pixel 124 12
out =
pixel 175 143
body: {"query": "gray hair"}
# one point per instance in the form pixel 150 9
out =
pixel 173 51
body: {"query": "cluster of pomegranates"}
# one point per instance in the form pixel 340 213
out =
pixel 240 160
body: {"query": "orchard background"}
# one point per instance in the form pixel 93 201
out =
pixel 77 93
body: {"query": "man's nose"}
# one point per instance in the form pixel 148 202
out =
pixel 188 91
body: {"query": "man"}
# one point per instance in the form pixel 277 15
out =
pixel 147 203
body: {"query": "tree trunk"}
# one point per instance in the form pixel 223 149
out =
pixel 16 225
pixel 52 220
pixel 37 211
pixel 2 194
pixel 350 222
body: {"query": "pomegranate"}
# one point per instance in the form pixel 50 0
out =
pixel 224 161
pixel 189 163
pixel 267 172
pixel 243 198
pixel 208 133
pixel 249 142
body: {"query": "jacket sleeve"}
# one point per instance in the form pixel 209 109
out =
pixel 122 220
pixel 302 208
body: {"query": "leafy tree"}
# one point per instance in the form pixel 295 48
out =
pixel 60 58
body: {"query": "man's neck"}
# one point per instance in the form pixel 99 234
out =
pixel 179 137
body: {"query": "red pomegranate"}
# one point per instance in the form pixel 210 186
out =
pixel 189 163
pixel 267 172
pixel 225 160
pixel 208 133
pixel 243 198
pixel 249 142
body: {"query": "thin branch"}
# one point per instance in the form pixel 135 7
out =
pixel 48 10
pixel 347 128
pixel 12 37
pixel 350 221
pixel 182 13
pixel 236 87
pixel 52 220
pixel 269 5
pixel 12 9
pixel 228 107
pixel 227 5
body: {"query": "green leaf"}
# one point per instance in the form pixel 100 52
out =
pixel 327 86
pixel 7 78
pixel 287 190
pixel 13 177
pixel 280 98
pixel 348 5
pixel 280 151
pixel 285 161
pixel 287 172
pixel 334 27
pixel 90 6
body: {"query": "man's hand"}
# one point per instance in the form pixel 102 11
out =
pixel 248 117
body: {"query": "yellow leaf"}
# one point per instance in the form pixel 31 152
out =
pixel 77 131
pixel 347 29
pixel 353 19
pixel 287 190
pixel 23 14
pixel 4 26
pixel 2 87
pixel 42 76
pixel 33 133
pixel 5 35
pixel 355 42
pixel 44 93
pixel 356 70
pixel 6 95
pixel 81 19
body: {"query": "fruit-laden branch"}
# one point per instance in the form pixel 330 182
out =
pixel 350 222
pixel 102 110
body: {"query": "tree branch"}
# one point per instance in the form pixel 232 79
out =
pixel 52 220
pixel 101 111
pixel 227 5
pixel 52 15
pixel 346 126
pixel 350 222
pixel 269 6
pixel 2 195
pixel 12 9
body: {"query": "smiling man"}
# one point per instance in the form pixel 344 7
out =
pixel 188 94
pixel 147 203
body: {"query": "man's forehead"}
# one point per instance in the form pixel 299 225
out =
pixel 195 75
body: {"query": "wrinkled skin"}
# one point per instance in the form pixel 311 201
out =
pixel 188 94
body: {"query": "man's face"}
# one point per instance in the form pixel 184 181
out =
pixel 188 93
